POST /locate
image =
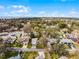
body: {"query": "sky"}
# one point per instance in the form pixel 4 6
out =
pixel 39 8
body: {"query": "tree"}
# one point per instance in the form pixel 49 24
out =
pixel 1 40
pixel 62 25
pixel 59 49
pixel 19 26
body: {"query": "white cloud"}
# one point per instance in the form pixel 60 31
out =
pixel 20 8
pixel 17 10
pixel 65 0
pixel 57 14
pixel 52 14
pixel 74 13
pixel 1 7
pixel 47 14
pixel 71 13
pixel 61 0
pixel 42 12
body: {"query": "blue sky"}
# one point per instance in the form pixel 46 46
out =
pixel 39 8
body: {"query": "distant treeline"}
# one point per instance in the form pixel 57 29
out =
pixel 41 18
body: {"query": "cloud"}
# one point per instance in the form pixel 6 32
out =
pixel 57 14
pixel 52 14
pixel 65 0
pixel 74 13
pixel 18 6
pixel 61 0
pixel 20 9
pixel 42 12
pixel 16 10
pixel 2 7
pixel 23 11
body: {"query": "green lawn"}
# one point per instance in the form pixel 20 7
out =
pixel 29 45
pixel 30 55
pixel 40 46
pixel 46 56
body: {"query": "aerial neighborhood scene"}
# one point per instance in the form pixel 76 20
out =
pixel 39 29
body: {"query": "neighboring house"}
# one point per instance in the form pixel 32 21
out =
pixel 52 40
pixel 34 42
pixel 65 41
pixel 68 42
pixel 71 36
pixel 9 38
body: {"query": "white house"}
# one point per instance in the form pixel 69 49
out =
pixel 34 42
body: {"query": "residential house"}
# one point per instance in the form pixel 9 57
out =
pixel 34 42
pixel 68 42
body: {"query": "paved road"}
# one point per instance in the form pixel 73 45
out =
pixel 24 49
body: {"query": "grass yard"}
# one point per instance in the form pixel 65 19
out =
pixel 30 55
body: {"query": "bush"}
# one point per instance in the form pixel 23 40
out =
pixel 9 54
